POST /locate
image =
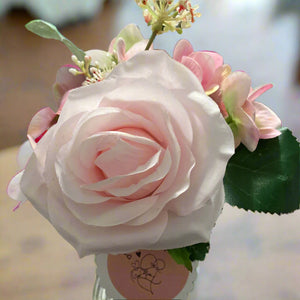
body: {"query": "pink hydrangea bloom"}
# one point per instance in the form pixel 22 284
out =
pixel 248 119
pixel 208 66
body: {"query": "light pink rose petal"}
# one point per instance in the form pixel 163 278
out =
pixel 132 179
pixel 193 228
pixel 70 186
pixel 104 119
pixel 123 157
pixel 86 239
pixel 62 103
pixel 33 186
pixel 162 120
pixel 89 149
pixel 94 94
pixel 108 183
pixel 156 110
pixel 102 141
pixel 110 213
pixel 13 189
pixel 42 146
pixel 162 63
pixel 180 185
pixel 159 173
pixel 24 154
pixel 55 141
pixel 182 48
pixel 66 81
pixel 259 91
pixel 40 122
pixel 211 154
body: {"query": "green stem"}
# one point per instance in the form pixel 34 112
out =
pixel 153 36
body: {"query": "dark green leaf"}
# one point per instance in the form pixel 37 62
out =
pixel 198 251
pixel 185 256
pixel 49 31
pixel 268 179
pixel 182 257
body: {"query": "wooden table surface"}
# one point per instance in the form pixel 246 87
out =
pixel 35 262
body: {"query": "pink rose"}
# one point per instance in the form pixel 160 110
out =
pixel 134 162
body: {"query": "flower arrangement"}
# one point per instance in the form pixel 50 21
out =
pixel 145 147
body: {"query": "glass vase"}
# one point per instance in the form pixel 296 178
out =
pixel 144 274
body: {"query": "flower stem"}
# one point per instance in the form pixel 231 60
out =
pixel 153 36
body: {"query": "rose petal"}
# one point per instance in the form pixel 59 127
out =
pixel 123 157
pixel 137 48
pixel 160 172
pixel 33 186
pixel 66 81
pixel 212 147
pixel 110 213
pixel 193 228
pixel 86 240
pixel 24 154
pixel 40 122
pixel 14 191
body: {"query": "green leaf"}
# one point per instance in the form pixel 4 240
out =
pixel 268 179
pixel 49 31
pixel 198 251
pixel 182 257
pixel 185 256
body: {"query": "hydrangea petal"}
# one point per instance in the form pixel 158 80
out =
pixel 235 90
pixel 182 48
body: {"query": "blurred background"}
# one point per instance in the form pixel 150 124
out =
pixel 252 256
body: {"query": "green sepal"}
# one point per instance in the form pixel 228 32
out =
pixel 131 35
pixel 182 257
pixel 268 179
pixel 49 31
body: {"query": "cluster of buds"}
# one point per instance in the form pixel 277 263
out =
pixel 168 15
pixel 92 73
